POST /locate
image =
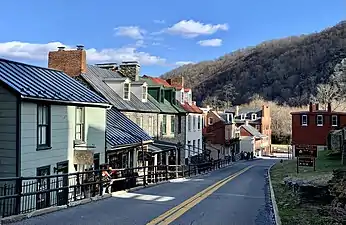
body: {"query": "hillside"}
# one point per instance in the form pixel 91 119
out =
pixel 284 70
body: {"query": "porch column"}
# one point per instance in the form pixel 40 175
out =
pixel 129 159
pixel 166 154
pixel 155 160
pixel 135 162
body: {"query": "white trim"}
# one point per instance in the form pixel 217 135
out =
pixel 106 105
pixel 336 120
pixel 243 116
pixel 306 120
pixel 129 91
pixel 254 116
pixel 319 117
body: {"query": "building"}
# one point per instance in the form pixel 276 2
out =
pixel 313 127
pixel 121 86
pixel 194 138
pixel 49 123
pixel 259 118
pixel 221 135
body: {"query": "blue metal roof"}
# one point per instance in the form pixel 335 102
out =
pixel 33 82
pixel 123 131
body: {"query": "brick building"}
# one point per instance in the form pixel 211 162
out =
pixel 313 127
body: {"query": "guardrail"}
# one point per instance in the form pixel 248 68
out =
pixel 22 195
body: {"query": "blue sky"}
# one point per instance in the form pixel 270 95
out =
pixel 160 34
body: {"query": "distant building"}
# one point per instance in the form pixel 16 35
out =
pixel 314 126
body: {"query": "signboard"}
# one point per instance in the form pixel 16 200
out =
pixel 309 162
pixel 306 151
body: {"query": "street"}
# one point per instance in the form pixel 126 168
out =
pixel 238 195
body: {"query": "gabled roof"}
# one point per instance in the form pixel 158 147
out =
pixel 253 131
pixel 121 130
pixel 158 81
pixel 191 108
pixel 95 75
pixel 38 83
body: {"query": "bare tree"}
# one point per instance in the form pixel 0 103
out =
pixel 230 94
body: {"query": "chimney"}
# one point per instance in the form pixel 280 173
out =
pixel 176 81
pixel 108 66
pixel 317 106
pixel 72 61
pixel 312 107
pixel 237 110
pixel 329 107
pixel 130 69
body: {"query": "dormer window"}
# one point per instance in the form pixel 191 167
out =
pixel 126 91
pixel 254 116
pixel 242 116
pixel 144 93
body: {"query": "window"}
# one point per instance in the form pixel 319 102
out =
pixel 80 124
pixel 139 121
pixel 319 120
pixel 172 124
pixel 304 120
pixel 254 116
pixel 199 144
pixel 198 122
pixel 164 124
pixel 194 146
pixel 43 127
pixel 179 124
pixel 189 123
pixel 189 148
pixel 194 122
pixel 151 126
pixel 242 116
pixel 126 91
pixel 210 121
pixel 334 120
pixel 144 93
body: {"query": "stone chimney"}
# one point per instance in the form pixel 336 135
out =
pixel 108 66
pixel 130 69
pixel 176 81
pixel 72 61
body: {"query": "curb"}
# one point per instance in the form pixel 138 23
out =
pixel 273 200
pixel 39 212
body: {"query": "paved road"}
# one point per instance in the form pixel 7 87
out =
pixel 223 197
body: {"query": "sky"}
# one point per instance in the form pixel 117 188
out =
pixel 161 35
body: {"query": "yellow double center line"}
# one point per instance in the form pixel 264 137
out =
pixel 174 213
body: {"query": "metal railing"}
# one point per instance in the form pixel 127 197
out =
pixel 22 195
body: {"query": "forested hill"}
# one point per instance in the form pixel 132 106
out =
pixel 285 70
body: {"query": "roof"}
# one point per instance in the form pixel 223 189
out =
pixel 191 108
pixel 323 112
pixel 253 131
pixel 165 107
pixel 121 130
pixel 39 83
pixel 95 76
pixel 158 81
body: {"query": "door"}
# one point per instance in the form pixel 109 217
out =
pixel 62 183
pixel 43 199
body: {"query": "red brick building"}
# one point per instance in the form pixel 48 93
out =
pixel 312 127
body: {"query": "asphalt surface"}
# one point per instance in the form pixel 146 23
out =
pixel 244 200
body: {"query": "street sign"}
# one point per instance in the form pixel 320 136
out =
pixel 309 162
pixel 306 151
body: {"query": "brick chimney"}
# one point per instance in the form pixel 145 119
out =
pixel 265 111
pixel 130 69
pixel 176 81
pixel 312 107
pixel 329 108
pixel 72 61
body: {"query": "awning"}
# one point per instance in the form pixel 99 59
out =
pixel 161 147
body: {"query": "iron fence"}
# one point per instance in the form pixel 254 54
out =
pixel 22 195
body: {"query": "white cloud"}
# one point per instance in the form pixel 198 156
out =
pixel 31 51
pixel 134 32
pixel 191 28
pixel 159 21
pixel 181 63
pixel 211 42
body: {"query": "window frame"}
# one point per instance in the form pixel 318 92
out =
pixel 336 120
pixel 80 124
pixel 172 124
pixel 164 124
pixel 306 120
pixel 47 125
pixel 144 93
pixel 126 92
pixel 317 120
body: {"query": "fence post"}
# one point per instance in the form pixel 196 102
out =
pixel 18 194
pixel 166 172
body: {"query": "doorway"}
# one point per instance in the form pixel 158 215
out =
pixel 62 183
pixel 43 199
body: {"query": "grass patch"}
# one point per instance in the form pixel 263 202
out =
pixel 290 210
